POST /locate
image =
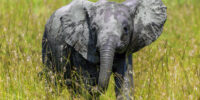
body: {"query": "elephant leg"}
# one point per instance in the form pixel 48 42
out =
pixel 56 58
pixel 124 86
pixel 86 74
pixel 63 64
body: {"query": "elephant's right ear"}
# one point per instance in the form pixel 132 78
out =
pixel 76 31
pixel 148 18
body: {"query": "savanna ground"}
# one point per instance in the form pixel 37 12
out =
pixel 168 69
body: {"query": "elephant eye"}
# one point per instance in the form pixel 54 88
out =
pixel 125 30
pixel 125 27
pixel 94 28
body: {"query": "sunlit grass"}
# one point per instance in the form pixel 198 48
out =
pixel 167 69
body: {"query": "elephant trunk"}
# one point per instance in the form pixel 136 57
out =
pixel 107 52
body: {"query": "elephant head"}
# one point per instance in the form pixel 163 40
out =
pixel 100 30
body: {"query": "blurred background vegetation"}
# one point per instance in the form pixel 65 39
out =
pixel 168 69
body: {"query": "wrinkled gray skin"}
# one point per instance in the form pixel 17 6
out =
pixel 99 39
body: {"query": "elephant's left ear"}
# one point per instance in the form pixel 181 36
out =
pixel 76 30
pixel 149 17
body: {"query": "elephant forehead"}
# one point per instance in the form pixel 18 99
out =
pixel 109 12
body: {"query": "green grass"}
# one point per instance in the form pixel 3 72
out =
pixel 167 69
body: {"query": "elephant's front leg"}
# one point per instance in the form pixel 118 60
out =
pixel 123 76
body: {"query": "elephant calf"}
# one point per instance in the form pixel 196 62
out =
pixel 99 39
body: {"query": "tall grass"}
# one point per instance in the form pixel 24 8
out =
pixel 167 69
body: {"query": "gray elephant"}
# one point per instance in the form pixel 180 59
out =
pixel 99 38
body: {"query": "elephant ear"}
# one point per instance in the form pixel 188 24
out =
pixel 76 31
pixel 149 17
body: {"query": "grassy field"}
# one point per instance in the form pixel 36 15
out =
pixel 169 69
